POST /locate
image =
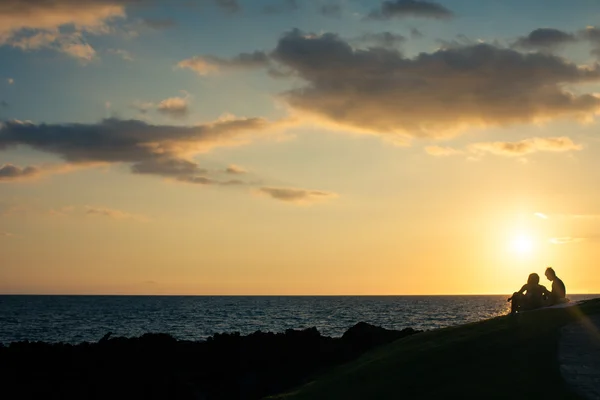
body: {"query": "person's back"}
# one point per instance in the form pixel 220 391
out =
pixel 531 296
pixel 559 291
pixel 535 295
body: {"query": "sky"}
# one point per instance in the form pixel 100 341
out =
pixel 314 147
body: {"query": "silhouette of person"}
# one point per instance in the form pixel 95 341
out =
pixel 559 291
pixel 531 296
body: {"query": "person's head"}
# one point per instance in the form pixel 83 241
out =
pixel 550 274
pixel 534 279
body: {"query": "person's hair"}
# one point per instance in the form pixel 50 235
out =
pixel 551 271
pixel 533 279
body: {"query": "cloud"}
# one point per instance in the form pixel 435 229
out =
pixel 48 15
pixel 14 173
pixel 161 150
pixel 541 215
pixel 10 172
pixel 59 25
pixel 331 10
pixel 545 38
pixel 6 234
pixel 124 54
pixel 441 151
pixel 167 166
pixel 566 240
pixel 436 94
pixel 10 81
pixel 71 44
pixel 410 8
pixel 382 39
pixel 527 146
pixel 298 196
pixel 281 7
pixel 203 180
pixel 174 107
pixel 4 104
pixel 204 65
pixel 592 35
pixel 234 169
pixel 416 34
pixel 114 214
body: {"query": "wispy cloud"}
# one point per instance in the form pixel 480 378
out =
pixel 540 215
pixel 10 81
pixel 235 169
pixel 6 234
pixel 526 146
pixel 124 54
pixel 566 240
pixel 296 195
pixel 509 149
pixel 72 44
pixel 205 65
pixel 442 151
pixel 115 214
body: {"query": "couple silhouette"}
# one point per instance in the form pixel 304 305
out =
pixel 533 295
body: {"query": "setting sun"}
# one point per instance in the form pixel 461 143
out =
pixel 522 244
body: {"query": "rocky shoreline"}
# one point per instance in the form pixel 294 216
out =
pixel 158 366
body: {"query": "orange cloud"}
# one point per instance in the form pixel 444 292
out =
pixel 16 15
pixel 205 65
pixel 234 169
pixel 175 107
pixel 527 146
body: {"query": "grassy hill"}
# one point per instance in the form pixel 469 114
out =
pixel 509 357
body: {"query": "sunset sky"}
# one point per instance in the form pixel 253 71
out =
pixel 298 147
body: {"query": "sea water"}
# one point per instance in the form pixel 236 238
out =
pixel 74 319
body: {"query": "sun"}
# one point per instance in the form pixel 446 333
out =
pixel 522 244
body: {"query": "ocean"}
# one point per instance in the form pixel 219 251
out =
pixel 75 319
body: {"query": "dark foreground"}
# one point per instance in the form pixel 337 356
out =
pixel 509 357
pixel 157 366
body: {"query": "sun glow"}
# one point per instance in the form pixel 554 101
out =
pixel 522 244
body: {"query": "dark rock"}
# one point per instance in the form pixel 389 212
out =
pixel 157 366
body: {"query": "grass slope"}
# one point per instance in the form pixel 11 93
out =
pixel 509 357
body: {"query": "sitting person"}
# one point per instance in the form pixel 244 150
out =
pixel 559 291
pixel 531 296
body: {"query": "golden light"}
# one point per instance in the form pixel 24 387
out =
pixel 522 244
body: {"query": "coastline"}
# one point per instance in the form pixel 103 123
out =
pixel 507 356
pixel 155 365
